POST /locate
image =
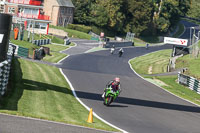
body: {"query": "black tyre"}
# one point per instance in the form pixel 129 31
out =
pixel 109 100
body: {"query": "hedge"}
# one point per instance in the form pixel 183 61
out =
pixel 81 28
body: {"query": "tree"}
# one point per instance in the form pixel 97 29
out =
pixel 82 11
pixel 139 15
pixel 107 13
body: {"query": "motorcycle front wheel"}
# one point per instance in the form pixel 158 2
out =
pixel 108 100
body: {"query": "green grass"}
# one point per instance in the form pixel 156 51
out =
pixel 152 63
pixel 55 53
pixel 54 39
pixel 40 91
pixel 139 42
pixel 26 44
pixel 191 63
pixel 142 64
pixel 178 89
pixel 73 33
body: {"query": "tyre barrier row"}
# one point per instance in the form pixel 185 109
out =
pixel 190 82
pixel 5 71
pixel 42 42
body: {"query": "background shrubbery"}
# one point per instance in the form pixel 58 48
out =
pixel 78 27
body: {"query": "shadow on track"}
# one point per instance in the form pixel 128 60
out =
pixel 140 102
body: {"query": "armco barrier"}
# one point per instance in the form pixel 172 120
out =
pixel 118 44
pixel 190 82
pixel 42 42
pixel 5 71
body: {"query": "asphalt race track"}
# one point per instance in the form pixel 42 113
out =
pixel 142 107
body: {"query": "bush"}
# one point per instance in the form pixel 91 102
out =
pixel 107 32
pixel 81 28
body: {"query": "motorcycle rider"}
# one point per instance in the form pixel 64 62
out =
pixel 112 49
pixel 121 51
pixel 114 84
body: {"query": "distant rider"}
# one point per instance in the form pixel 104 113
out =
pixel 121 51
pixel 114 84
pixel 112 49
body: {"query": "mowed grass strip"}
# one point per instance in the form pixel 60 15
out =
pixel 55 54
pixel 142 63
pixel 178 89
pixel 41 91
pixel 152 63
pixel 192 64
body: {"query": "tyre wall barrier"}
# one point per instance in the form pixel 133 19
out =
pixel 42 42
pixel 118 44
pixel 190 82
pixel 5 71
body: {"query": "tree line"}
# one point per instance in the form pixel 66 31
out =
pixel 138 16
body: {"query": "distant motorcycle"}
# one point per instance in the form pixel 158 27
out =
pixel 121 51
pixel 112 50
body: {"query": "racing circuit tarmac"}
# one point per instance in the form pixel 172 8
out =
pixel 141 107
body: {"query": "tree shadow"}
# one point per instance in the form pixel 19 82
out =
pixel 140 102
pixel 10 101
pixel 17 85
pixel 119 106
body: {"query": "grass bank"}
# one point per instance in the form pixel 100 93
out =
pixel 192 65
pixel 55 54
pixel 26 44
pixel 152 63
pixel 40 91
pixel 73 33
pixel 157 61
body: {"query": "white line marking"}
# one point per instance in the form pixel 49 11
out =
pixel 74 93
pixel 1 37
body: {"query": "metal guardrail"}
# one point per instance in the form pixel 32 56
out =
pixel 190 82
pixel 5 71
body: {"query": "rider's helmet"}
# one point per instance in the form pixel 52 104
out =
pixel 117 80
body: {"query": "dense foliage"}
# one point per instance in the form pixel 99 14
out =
pixel 138 16
pixel 194 11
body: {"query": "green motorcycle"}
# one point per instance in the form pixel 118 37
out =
pixel 110 95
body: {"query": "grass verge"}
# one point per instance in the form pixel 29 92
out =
pixel 40 91
pixel 152 63
pixel 179 90
pixel 26 44
pixel 55 54
pixel 142 64
pixel 73 33
pixel 192 65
